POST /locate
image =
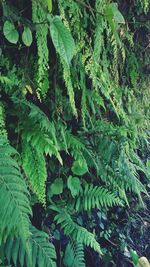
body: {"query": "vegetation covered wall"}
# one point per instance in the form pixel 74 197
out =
pixel 74 132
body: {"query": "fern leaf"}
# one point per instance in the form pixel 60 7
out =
pixel 14 196
pixel 77 233
pixel 35 169
pixel 74 255
pixel 42 251
pixel 95 197
pixel 38 16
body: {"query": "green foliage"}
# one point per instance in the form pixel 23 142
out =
pixel 74 185
pixel 56 188
pixel 62 39
pixel 10 32
pixel 79 167
pixel 74 255
pixel 33 163
pixel 39 17
pixel 27 36
pixel 49 4
pixel 76 232
pixel 42 251
pixel 79 119
pixel 14 200
pixel 95 197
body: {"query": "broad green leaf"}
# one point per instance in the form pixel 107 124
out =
pixel 49 5
pixel 62 39
pixel 27 36
pixel 10 32
pixel 79 167
pixel 57 187
pixel 112 13
pixel 74 185
pixel 118 17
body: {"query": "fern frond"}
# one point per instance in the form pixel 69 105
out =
pixel 74 255
pixel 39 131
pixel 41 141
pixel 76 232
pixel 42 251
pixel 14 196
pixel 2 124
pixel 34 165
pixel 95 197
pixel 69 86
pixel 38 16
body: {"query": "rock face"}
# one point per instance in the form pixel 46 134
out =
pixel 143 262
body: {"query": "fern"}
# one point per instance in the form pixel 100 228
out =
pixel 39 17
pixel 68 82
pixel 43 133
pixel 95 197
pixel 76 232
pixel 3 132
pixel 41 141
pixel 65 46
pixel 42 251
pixel 34 165
pixel 14 196
pixel 144 4
pixel 74 255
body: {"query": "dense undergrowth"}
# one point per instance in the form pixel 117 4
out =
pixel 74 133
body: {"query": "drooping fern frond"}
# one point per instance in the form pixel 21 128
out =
pixel 14 196
pixel 69 86
pixel 42 251
pixel 65 46
pixel 41 141
pixel 39 131
pixel 74 255
pixel 95 197
pixel 39 17
pixel 77 232
pixel 34 165
pixel 3 132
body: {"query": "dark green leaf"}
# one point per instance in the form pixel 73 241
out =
pixel 57 187
pixel 79 167
pixel 62 39
pixel 74 185
pixel 10 32
pixel 27 36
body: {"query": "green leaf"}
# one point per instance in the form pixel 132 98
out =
pixel 74 185
pixel 117 14
pixel 148 165
pixel 79 167
pixel 62 39
pixel 49 5
pixel 134 257
pixel 69 256
pixel 10 32
pixel 112 13
pixel 74 255
pixel 57 187
pixel 27 36
pixel 148 168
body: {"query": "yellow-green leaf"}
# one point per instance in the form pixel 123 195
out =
pixel 49 5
